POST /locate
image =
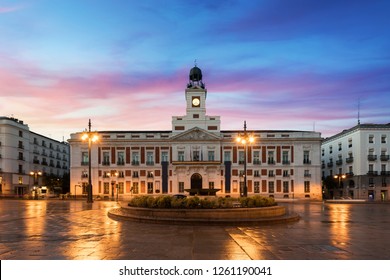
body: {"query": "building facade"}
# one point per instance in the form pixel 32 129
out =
pixel 358 160
pixel 197 157
pixel 27 158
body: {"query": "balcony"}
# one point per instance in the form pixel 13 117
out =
pixel 306 161
pixel 135 162
pixel 385 173
pixel 106 163
pixel 330 164
pixel 385 157
pixel 349 160
pixel 84 163
pixel 120 162
pixel 339 162
pixel 372 173
pixel 285 162
pixel 257 162
pixel 372 157
pixel 150 162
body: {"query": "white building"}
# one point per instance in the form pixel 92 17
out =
pixel 26 158
pixel 361 154
pixel 196 156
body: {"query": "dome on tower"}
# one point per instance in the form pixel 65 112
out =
pixel 195 74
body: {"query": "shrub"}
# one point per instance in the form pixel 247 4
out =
pixel 193 202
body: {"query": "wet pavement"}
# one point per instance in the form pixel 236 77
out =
pixel 71 230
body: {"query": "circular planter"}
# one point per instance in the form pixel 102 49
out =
pixel 230 216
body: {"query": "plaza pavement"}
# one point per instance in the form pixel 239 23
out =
pixel 74 230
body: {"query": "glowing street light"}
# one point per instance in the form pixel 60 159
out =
pixel 339 177
pixel 245 139
pixel 35 174
pixel 91 137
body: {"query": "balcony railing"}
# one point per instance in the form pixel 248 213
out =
pixel 306 161
pixel 372 157
pixel 349 160
pixel 385 173
pixel 372 173
pixel 339 162
pixel 385 157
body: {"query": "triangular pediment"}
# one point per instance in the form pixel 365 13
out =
pixel 196 134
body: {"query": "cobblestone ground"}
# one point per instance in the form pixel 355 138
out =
pixel 61 229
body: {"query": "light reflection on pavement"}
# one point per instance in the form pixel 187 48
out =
pixel 65 229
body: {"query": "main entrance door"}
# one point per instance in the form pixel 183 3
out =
pixel 196 181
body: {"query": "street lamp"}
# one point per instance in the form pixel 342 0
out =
pixel 339 177
pixel 35 174
pixel 245 139
pixel 113 174
pixel 91 137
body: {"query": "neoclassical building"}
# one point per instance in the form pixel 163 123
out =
pixel 197 156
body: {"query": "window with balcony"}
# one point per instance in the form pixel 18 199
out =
pixel 241 157
pixel 350 143
pixel 164 157
pixel 121 158
pixel 306 157
pixel 383 139
pixel 227 156
pixel 135 158
pixel 256 157
pixel 106 158
pixel 371 139
pixel 285 157
pixel 271 159
pixel 149 158
pixel 340 146
pixel 195 155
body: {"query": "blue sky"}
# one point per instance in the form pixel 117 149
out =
pixel 293 65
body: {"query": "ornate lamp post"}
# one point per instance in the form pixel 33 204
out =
pixel 245 139
pixel 339 177
pixel 35 174
pixel 91 138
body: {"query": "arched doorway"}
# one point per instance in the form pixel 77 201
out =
pixel 196 181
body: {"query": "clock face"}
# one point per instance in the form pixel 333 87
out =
pixel 195 101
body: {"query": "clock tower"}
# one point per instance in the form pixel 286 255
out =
pixel 195 95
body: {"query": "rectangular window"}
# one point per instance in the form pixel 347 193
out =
pixel 164 156
pixel 149 158
pixel 285 157
pixel 150 187
pixel 180 156
pixel 106 188
pixel 106 158
pixel 383 139
pixel 121 158
pixel 271 187
pixel 241 157
pixel 257 187
pixel 307 186
pixel 195 156
pixel 121 187
pixel 256 157
pixel 285 187
pixel 211 155
pixel 227 156
pixel 306 157
pixel 134 189
pixel 181 187
pixel 135 158
pixel 271 159
pixel 211 185
pixel 371 139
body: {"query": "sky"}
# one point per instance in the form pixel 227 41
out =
pixel 124 64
